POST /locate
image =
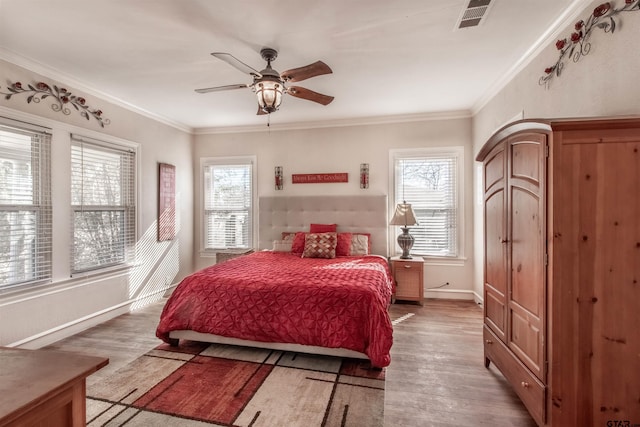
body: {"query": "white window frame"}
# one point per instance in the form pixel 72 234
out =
pixel 231 160
pixel 426 152
pixel 41 261
pixel 129 250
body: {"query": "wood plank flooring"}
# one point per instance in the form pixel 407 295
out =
pixel 437 375
pixel 436 378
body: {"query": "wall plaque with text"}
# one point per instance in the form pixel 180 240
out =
pixel 318 178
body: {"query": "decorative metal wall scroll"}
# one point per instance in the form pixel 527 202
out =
pixel 578 45
pixel 61 96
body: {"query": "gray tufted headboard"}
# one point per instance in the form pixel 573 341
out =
pixel 365 214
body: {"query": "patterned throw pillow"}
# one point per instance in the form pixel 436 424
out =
pixel 319 245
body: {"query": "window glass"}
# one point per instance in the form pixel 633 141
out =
pixel 429 181
pixel 25 204
pixel 103 205
pixel 228 205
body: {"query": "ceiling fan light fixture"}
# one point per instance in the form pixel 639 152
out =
pixel 269 95
pixel 269 85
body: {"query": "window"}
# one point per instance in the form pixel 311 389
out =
pixel 103 204
pixel 429 180
pixel 25 203
pixel 228 203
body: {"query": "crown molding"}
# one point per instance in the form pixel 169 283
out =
pixel 68 80
pixel 361 121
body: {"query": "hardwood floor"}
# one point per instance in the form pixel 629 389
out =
pixel 436 378
pixel 437 375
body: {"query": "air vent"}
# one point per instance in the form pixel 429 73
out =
pixel 474 14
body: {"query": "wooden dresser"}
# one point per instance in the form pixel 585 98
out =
pixel 44 388
pixel 562 267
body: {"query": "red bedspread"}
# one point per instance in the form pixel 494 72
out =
pixel 279 297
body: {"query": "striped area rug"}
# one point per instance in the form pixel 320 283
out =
pixel 200 384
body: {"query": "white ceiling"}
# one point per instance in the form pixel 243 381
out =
pixel 389 58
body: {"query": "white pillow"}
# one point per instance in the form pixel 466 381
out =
pixel 282 245
pixel 359 245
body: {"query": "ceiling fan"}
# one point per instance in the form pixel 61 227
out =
pixel 269 85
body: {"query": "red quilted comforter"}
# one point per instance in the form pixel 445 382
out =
pixel 279 297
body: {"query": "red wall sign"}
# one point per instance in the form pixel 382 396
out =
pixel 316 178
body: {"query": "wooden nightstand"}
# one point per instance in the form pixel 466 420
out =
pixel 409 277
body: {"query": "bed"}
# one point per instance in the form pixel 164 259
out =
pixel 318 290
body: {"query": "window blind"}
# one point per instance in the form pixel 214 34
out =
pixel 103 204
pixel 430 185
pixel 228 206
pixel 25 203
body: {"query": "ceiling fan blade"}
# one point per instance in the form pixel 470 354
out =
pixel 236 63
pixel 220 88
pixel 300 92
pixel 318 68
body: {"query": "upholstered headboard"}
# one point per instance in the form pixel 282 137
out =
pixel 365 214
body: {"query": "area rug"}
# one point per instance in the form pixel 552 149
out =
pixel 200 384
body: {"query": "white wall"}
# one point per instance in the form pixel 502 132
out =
pixel 342 149
pixel 34 317
pixel 603 83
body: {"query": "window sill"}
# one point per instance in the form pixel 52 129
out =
pixel 441 261
pixel 102 271
pixel 450 262
pixel 20 293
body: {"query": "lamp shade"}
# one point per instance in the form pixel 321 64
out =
pixel 404 215
pixel 269 95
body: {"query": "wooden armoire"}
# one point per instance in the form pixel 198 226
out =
pixel 562 267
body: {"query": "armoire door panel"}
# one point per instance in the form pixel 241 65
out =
pixel 495 288
pixel 522 166
pixel 527 251
pixel 495 312
pixel 495 242
pixel 525 338
pixel 494 170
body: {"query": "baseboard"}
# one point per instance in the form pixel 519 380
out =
pixel 449 294
pixel 66 330
pixel 478 298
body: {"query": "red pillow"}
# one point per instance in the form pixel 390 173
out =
pixel 322 228
pixel 297 247
pixel 343 246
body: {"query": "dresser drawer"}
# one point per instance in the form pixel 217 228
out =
pixel 529 388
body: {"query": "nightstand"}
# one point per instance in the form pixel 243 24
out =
pixel 409 277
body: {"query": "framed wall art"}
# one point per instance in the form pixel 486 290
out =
pixel 166 202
